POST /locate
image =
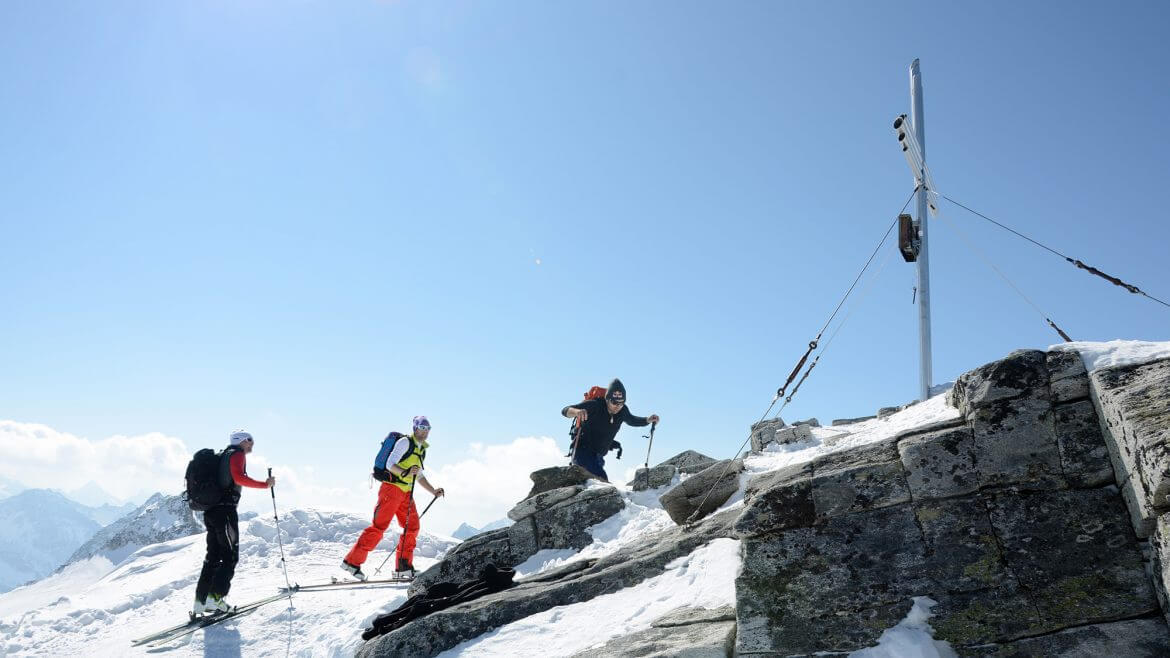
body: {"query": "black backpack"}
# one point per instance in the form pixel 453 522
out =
pixel 203 488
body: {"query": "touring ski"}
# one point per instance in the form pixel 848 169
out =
pixel 349 582
pixel 198 622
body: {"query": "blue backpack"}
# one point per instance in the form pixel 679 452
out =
pixel 381 468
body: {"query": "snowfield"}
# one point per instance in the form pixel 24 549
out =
pixel 96 607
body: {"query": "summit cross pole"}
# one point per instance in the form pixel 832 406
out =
pixel 925 366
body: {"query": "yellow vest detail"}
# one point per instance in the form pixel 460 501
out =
pixel 414 457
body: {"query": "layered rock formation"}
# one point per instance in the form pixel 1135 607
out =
pixel 1011 519
pixel 1039 520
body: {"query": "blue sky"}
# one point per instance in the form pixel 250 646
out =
pixel 315 220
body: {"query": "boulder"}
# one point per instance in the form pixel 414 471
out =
pixel 685 633
pixel 763 431
pixel 1139 638
pixel 653 478
pixel 785 435
pixel 850 421
pixel 576 582
pixel 557 477
pixel 1134 408
pixel 566 524
pixel 1084 458
pixel 689 461
pixel 1067 378
pixel 1016 374
pixel 807 494
pixel 557 522
pixel 830 587
pixel 1015 443
pixel 1074 553
pixel 705 491
pixel 940 464
pixel 530 506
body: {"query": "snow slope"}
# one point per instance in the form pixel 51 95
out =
pixel 97 608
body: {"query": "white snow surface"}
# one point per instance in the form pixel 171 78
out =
pixel 1112 353
pixel 703 579
pixel 911 638
pixel 95 608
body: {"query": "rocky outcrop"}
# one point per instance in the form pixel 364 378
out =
pixel 1133 403
pixel 703 492
pixel 558 518
pixel 689 461
pixel 1139 638
pixel 654 477
pixel 1009 518
pixel 684 633
pixel 573 583
pixel 557 477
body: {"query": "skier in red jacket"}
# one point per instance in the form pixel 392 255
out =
pixel 223 527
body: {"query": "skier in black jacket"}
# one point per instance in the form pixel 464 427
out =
pixel 600 422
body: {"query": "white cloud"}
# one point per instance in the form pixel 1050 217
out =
pixel 482 483
pixel 40 456
pixel 484 486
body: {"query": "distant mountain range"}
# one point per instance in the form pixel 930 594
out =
pixel 39 529
pixel 465 531
pixel 161 518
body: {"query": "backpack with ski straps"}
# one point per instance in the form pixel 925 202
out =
pixel 204 490
pixel 381 468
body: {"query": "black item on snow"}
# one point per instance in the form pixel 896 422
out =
pixel 204 489
pixel 441 596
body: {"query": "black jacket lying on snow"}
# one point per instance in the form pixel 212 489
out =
pixel 440 596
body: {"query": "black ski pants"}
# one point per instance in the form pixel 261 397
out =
pixel 223 551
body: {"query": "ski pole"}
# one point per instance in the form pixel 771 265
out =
pixel 576 441
pixel 403 535
pixel 279 541
pixel 653 426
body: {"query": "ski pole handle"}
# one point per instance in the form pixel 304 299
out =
pixel 272 489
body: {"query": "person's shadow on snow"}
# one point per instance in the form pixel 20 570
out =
pixel 221 642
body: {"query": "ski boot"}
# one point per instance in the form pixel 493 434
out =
pixel 405 571
pixel 216 604
pixel 353 570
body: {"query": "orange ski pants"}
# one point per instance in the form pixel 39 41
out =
pixel 392 503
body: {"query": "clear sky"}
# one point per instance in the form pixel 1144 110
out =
pixel 315 220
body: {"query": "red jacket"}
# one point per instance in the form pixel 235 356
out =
pixel 237 467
